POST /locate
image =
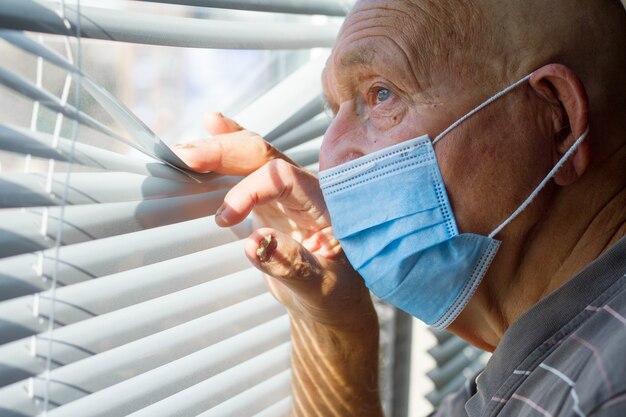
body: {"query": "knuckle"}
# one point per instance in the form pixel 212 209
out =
pixel 302 268
pixel 257 140
pixel 278 165
pixel 282 176
pixel 262 147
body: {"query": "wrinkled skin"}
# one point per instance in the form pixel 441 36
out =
pixel 401 69
pixel 304 268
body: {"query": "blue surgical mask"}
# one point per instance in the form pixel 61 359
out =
pixel 391 214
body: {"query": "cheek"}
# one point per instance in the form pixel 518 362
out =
pixel 349 137
pixel 382 120
pixel 489 172
pixel 390 129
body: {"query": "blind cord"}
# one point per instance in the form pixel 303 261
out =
pixel 59 232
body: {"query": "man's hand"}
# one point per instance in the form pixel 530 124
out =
pixel 334 325
pixel 305 267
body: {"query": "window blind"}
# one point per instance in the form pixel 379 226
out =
pixel 118 293
pixel 456 361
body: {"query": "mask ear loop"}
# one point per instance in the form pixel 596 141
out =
pixel 542 184
pixel 484 104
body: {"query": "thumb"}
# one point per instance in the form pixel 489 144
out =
pixel 280 256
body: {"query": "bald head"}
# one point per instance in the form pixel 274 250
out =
pixel 520 35
pixel 433 33
pixel 588 37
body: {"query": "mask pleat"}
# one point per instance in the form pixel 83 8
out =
pixel 392 235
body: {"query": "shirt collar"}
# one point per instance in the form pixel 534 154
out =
pixel 547 322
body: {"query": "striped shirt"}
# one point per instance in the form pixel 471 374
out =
pixel 566 356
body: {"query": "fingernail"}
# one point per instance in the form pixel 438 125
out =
pixel 184 146
pixel 267 247
pixel 219 211
pixel 219 114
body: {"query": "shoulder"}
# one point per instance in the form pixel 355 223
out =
pixel 591 361
pixel 584 375
pixel 602 342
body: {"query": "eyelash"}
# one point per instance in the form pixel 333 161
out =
pixel 372 96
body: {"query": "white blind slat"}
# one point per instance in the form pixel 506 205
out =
pixel 197 368
pixel 456 361
pixel 26 88
pixel 220 330
pixel 23 141
pixel 26 43
pixel 222 387
pixel 141 137
pixel 305 113
pixel 325 7
pixel 437 396
pixel 27 274
pixel 156 309
pixel 311 129
pixel 443 374
pixel 304 157
pixel 90 337
pixel 38 16
pixel 27 315
pixel 286 99
pixel 33 229
pixel 280 409
pixel 445 351
pixel 255 399
pixel 170 343
pixel 33 190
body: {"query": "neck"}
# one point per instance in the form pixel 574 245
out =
pixel 582 222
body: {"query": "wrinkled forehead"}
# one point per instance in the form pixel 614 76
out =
pixel 379 36
pixel 431 36
pixel 398 21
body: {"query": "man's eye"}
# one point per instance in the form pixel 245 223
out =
pixel 382 95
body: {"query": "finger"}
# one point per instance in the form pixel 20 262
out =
pixel 236 153
pixel 281 257
pixel 323 243
pixel 279 181
pixel 218 124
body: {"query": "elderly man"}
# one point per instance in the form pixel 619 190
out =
pixel 474 175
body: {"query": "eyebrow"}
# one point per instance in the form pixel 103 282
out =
pixel 357 56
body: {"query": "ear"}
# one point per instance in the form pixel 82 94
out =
pixel 561 88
